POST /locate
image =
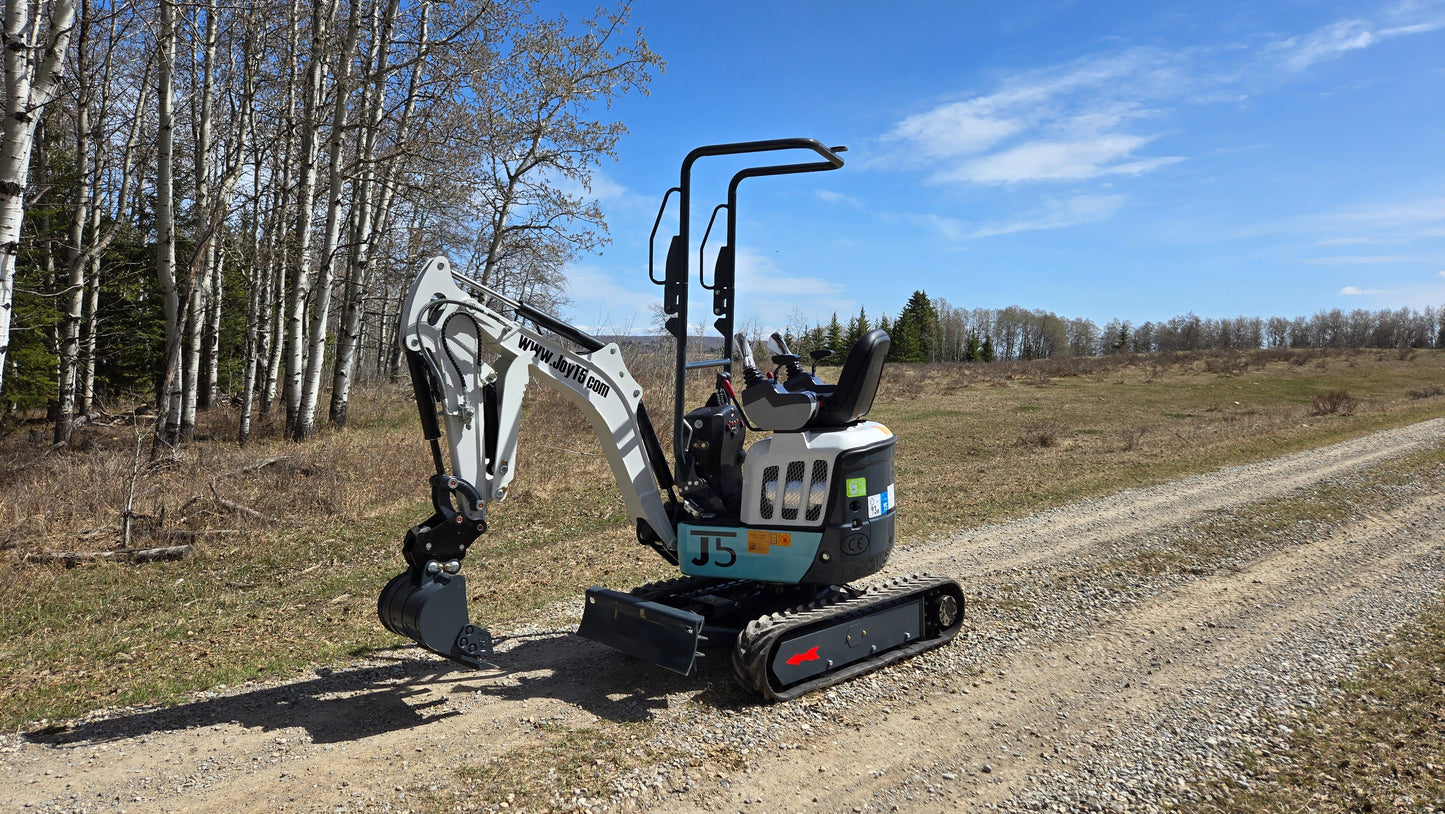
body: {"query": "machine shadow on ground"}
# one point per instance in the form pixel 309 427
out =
pixel 342 705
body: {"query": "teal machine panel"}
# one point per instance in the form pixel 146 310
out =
pixel 735 552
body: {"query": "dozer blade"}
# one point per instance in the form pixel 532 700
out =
pixel 431 610
pixel 655 633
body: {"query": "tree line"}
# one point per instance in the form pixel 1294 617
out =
pixel 204 199
pixel 932 330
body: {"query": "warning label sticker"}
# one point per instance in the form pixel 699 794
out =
pixel 759 542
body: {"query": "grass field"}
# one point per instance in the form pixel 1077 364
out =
pixel 294 542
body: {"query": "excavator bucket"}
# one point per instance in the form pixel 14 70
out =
pixel 655 633
pixel 431 610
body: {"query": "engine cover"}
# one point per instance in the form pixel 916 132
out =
pixel 818 509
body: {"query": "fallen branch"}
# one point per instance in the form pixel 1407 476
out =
pixel 192 533
pixel 240 470
pixel 252 467
pixel 246 510
pixel 71 558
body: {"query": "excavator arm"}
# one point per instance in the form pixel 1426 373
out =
pixel 471 358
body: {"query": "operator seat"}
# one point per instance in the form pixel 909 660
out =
pixel 803 404
pixel 852 397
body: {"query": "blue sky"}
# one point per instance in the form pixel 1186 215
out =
pixel 1099 160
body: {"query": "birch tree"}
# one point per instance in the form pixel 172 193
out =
pixel 296 344
pixel 305 424
pixel 375 194
pixel 36 37
pixel 540 138
pixel 168 400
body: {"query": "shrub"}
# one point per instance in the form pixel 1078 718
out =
pixel 1040 435
pixel 1332 403
pixel 1426 392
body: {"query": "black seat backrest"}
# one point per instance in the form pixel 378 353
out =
pixel 852 398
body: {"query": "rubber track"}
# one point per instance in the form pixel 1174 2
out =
pixel 754 648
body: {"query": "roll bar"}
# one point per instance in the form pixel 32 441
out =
pixel 676 279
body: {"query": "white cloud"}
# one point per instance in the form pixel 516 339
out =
pixel 1440 274
pixel 768 292
pixel 601 188
pixel 834 197
pixel 1298 53
pixel 1386 222
pixel 957 128
pixel 1074 211
pixel 1060 161
pixel 1053 214
pixel 1352 291
pixel 607 302
pixel 1096 116
pixel 1069 122
pixel 1341 37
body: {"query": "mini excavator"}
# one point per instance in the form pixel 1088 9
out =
pixel 767 536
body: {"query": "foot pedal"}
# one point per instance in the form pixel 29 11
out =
pixel 431 610
pixel 655 633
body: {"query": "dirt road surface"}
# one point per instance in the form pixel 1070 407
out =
pixel 1104 665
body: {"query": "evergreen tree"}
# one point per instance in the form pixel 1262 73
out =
pixel 834 337
pixel 857 326
pixel 1116 337
pixel 814 341
pixel 915 334
pixel 794 342
pixel 973 350
pixel 986 353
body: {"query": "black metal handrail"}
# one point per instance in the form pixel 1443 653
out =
pixel 675 297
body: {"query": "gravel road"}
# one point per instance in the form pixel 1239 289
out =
pixel 1103 666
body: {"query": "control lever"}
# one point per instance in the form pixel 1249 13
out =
pixel 751 374
pixel 819 355
pixel 787 359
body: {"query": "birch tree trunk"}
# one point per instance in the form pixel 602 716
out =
pixel 305 202
pixel 99 239
pixel 321 309
pixel 76 260
pixel 32 81
pixel 210 390
pixel 257 299
pixel 371 216
pixel 196 308
pixel 206 392
pixel 276 264
pixel 169 407
pixel 204 160
pixel 86 395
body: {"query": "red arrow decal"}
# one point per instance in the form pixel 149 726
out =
pixel 808 655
